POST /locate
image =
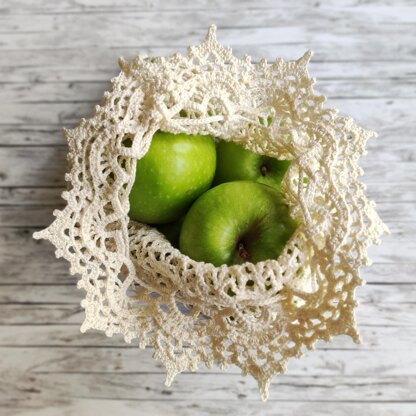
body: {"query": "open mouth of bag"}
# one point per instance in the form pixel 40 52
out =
pixel 162 267
pixel 255 315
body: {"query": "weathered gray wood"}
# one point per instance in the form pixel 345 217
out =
pixel 99 64
pixel 41 216
pixel 384 164
pixel 27 261
pixel 382 272
pixel 68 294
pixel 27 6
pixel 17 245
pixel 79 406
pixel 251 29
pixel 396 193
pixel 32 196
pixel 210 387
pixel 60 114
pixel 51 134
pixel 322 363
pixel 17 216
pixel 57 59
pixel 36 216
pixel 93 91
pixel 59 335
pixel 39 314
pixel 47 166
pixel 370 113
pixel 370 314
pixel 31 135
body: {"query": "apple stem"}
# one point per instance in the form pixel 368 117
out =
pixel 263 170
pixel 242 251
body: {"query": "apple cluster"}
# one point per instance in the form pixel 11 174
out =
pixel 216 201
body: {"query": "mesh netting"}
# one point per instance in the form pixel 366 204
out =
pixel 139 286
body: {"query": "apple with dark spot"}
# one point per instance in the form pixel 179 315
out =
pixel 237 222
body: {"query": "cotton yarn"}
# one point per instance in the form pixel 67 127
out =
pixel 139 286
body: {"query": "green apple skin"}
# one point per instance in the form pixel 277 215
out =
pixel 237 222
pixel 176 169
pixel 234 163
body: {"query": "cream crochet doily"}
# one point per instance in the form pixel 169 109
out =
pixel 139 286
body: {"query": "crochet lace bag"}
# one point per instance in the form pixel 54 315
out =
pixel 139 286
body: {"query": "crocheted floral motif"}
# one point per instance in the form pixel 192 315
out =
pixel 139 286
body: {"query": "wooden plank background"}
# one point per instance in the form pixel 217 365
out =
pixel 56 59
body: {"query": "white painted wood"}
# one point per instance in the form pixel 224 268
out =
pixel 195 406
pixel 390 315
pixel 75 360
pixel 48 164
pixel 88 91
pixel 40 314
pixel 62 294
pixel 371 113
pixel 100 65
pixel 256 30
pixel 41 216
pixel 64 335
pixel 394 193
pixel 208 386
pixel 56 59
pixel 28 6
pixel 16 246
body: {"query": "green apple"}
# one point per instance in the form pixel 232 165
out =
pixel 235 163
pixel 176 169
pixel 236 222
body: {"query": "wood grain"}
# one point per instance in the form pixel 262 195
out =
pixel 222 386
pixel 41 216
pixel 88 91
pixel 85 6
pixel 16 245
pixel 56 59
pixel 119 361
pixel 394 192
pixel 370 113
pixel 252 31
pixel 61 335
pixel 99 65
pixel 389 315
pixel 82 406
pixel 48 165
pixel 62 294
